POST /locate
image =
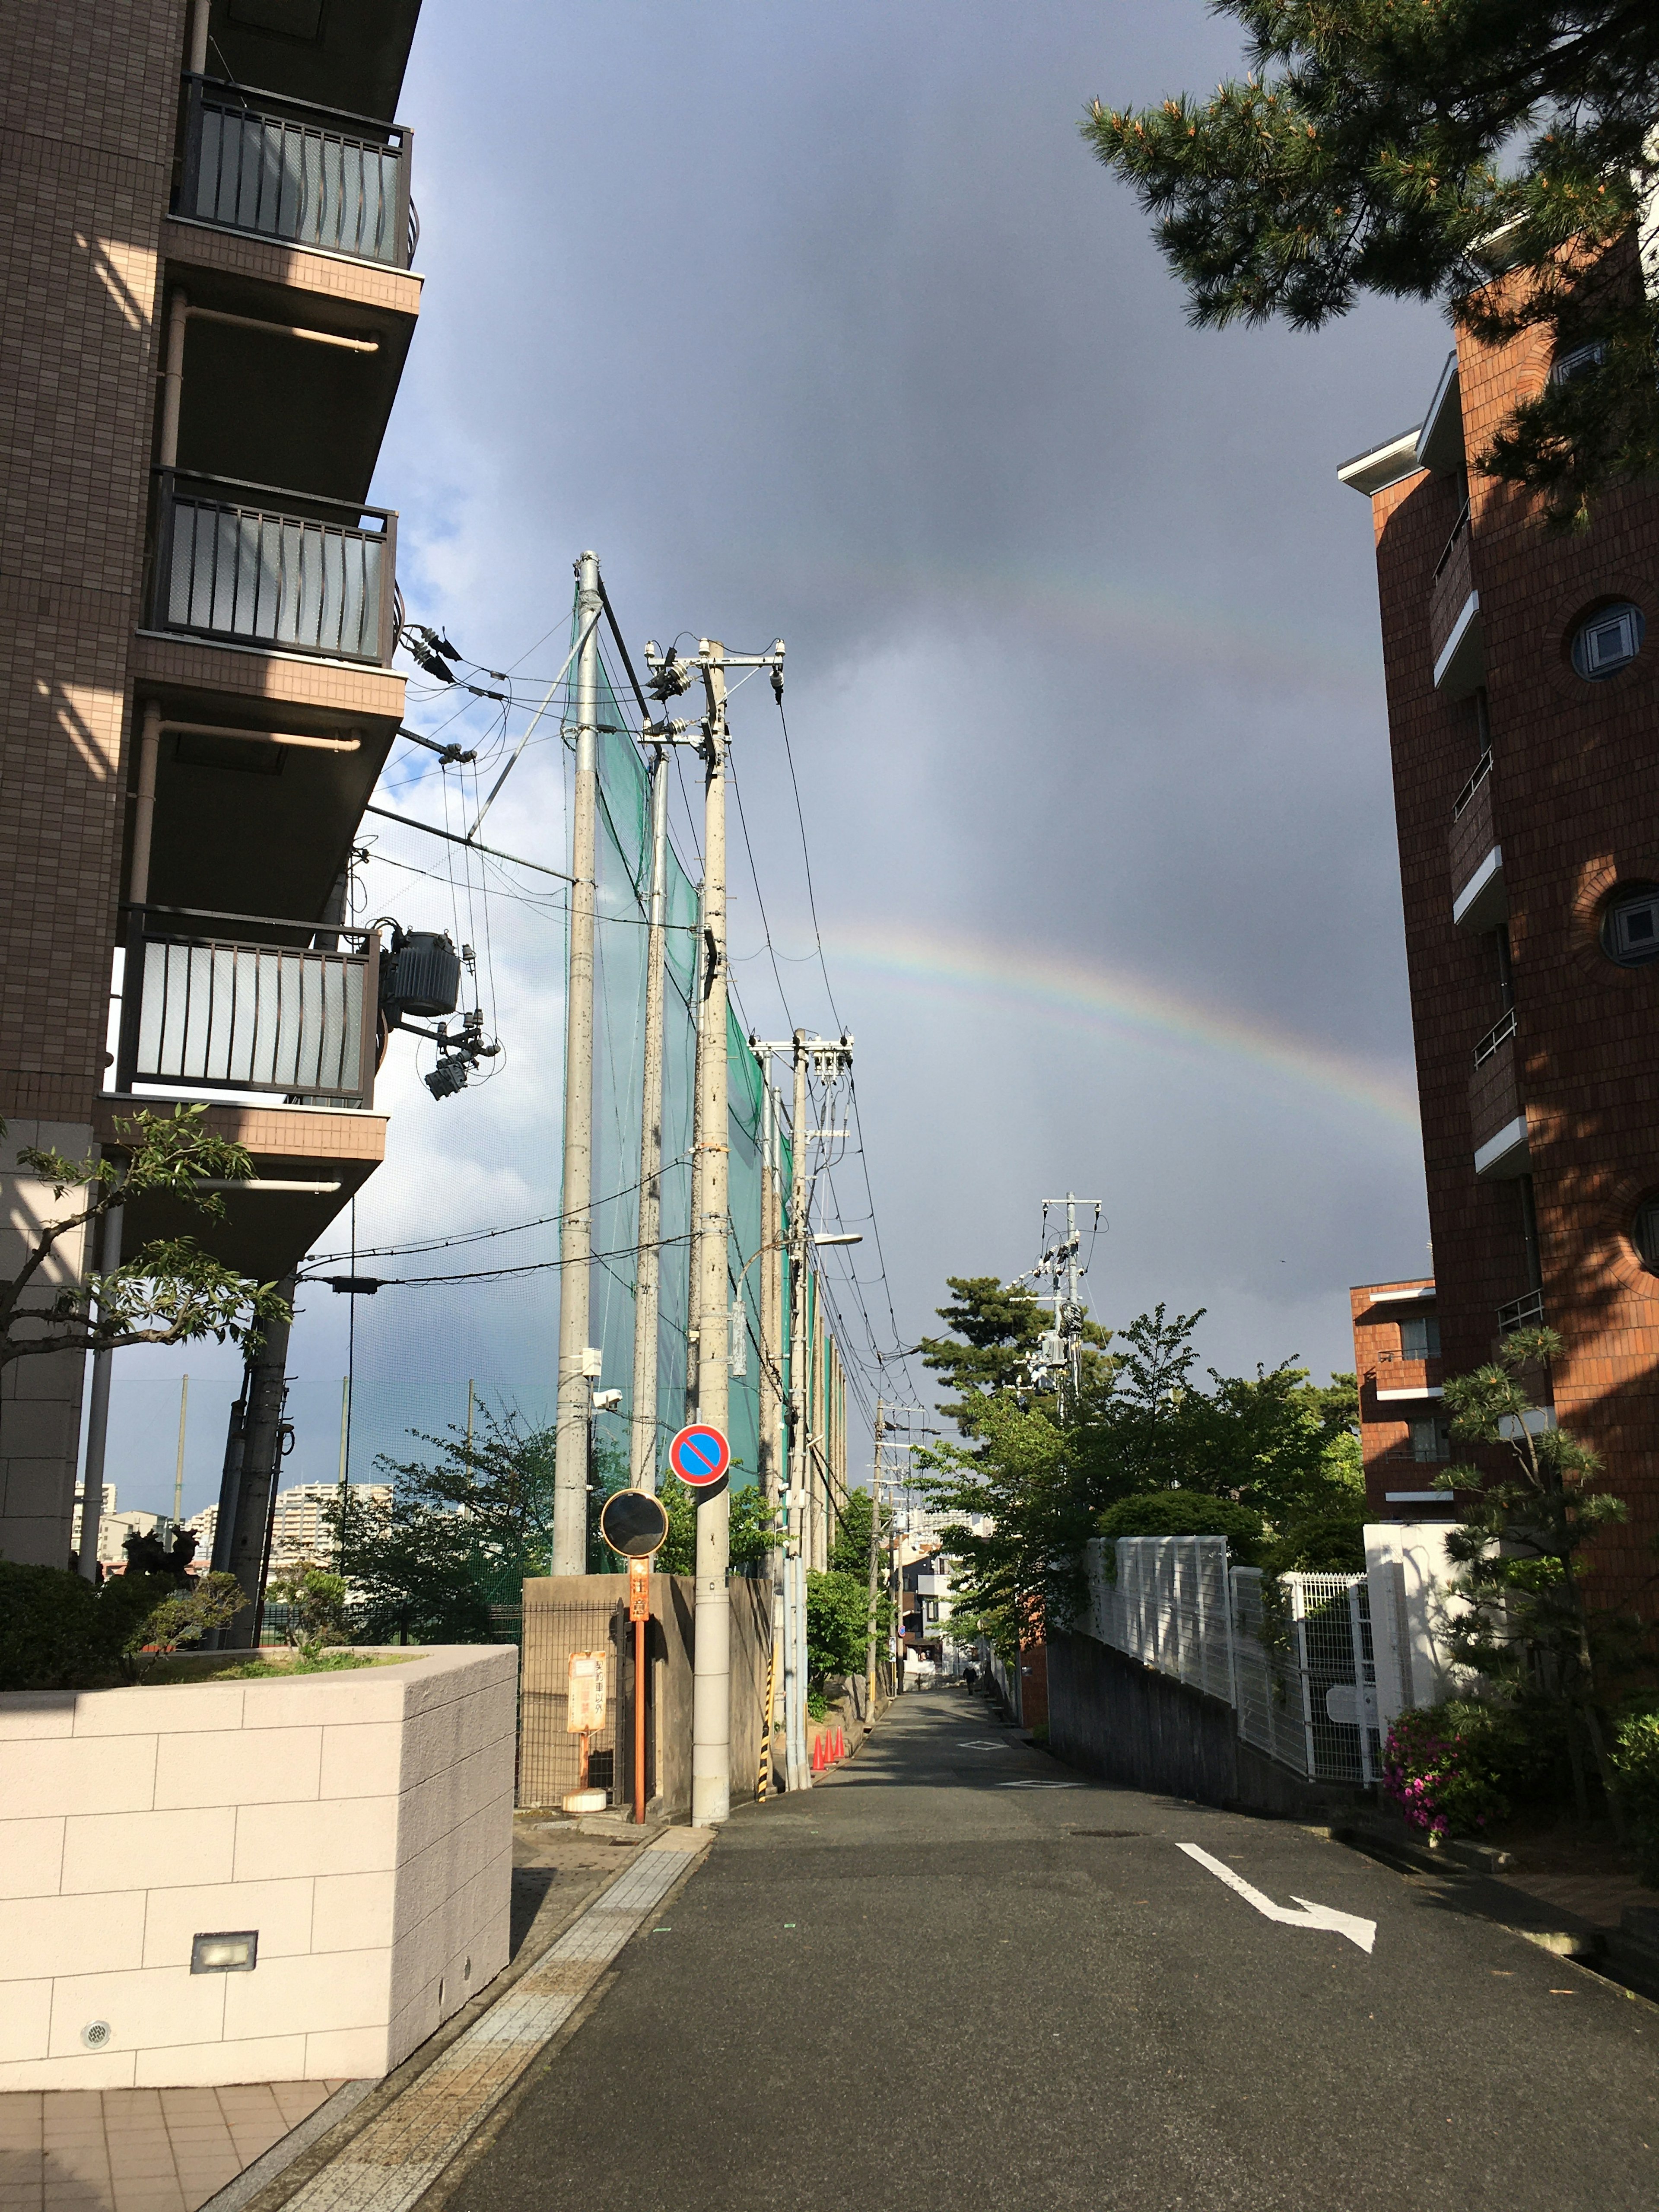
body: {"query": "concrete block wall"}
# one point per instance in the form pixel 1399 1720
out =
pixel 360 1822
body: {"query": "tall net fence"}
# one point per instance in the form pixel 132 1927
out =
pixel 1293 1657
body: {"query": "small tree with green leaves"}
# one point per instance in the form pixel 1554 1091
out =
pixel 1421 151
pixel 170 1291
pixel 315 1603
pixel 1528 1625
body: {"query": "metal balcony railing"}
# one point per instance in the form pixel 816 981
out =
pixel 1482 770
pixel 311 176
pixel 237 566
pixel 1450 546
pixel 1526 1312
pixel 202 1009
pixel 1500 1033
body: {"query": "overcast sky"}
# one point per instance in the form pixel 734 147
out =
pixel 821 323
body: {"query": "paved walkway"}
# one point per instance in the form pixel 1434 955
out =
pixel 140 2150
pixel 170 2150
pixel 957 1973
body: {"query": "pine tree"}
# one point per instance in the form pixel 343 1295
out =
pixel 1423 151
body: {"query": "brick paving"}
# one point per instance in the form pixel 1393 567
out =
pixel 140 2150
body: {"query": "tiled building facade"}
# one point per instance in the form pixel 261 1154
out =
pixel 1522 675
pixel 204 211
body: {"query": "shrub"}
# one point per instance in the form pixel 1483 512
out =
pixel 58 1633
pixel 837 1624
pixel 1436 1768
pixel 1183 1513
pixel 1635 1762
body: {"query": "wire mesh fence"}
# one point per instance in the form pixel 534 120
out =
pixel 549 1750
pixel 1293 1656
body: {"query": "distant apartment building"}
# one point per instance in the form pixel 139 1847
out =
pixel 208 299
pixel 1522 679
pixel 300 1532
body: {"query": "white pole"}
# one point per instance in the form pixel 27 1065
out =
pixel 647 1270
pixel 711 1689
pixel 576 1228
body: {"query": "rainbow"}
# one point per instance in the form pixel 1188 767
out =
pixel 1128 1010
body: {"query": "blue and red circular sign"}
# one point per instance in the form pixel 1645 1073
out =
pixel 700 1455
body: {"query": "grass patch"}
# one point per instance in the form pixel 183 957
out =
pixel 190 1669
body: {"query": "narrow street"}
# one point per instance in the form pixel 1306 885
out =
pixel 957 1974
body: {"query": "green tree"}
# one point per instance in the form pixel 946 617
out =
pixel 316 1604
pixel 1422 151
pixel 996 1329
pixel 464 1527
pixel 836 1612
pixel 169 1292
pixel 1528 1624
pixel 59 1633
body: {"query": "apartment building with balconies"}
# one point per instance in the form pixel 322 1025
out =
pixel 1522 680
pixel 210 298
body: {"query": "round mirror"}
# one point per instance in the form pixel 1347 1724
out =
pixel 634 1523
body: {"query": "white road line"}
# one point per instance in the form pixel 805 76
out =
pixel 1362 1932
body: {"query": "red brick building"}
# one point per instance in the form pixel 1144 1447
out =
pixel 1522 674
pixel 1404 1439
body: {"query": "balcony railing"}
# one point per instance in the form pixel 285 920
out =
pixel 1499 1034
pixel 202 1009
pixel 1526 1312
pixel 1482 770
pixel 310 176
pixel 231 566
pixel 1450 546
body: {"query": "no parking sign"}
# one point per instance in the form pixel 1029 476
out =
pixel 700 1455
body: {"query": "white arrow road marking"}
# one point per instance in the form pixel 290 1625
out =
pixel 1039 1785
pixel 1362 1932
pixel 984 1743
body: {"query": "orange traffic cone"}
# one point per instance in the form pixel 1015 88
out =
pixel 840 1744
pixel 817 1754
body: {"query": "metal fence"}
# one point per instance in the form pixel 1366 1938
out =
pixel 550 1756
pixel 238 569
pixel 1293 1657
pixel 311 176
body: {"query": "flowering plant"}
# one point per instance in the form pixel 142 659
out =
pixel 1432 1768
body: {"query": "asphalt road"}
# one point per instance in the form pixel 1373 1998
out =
pixel 955 1975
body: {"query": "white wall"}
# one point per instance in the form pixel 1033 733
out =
pixel 1409 1573
pixel 361 1822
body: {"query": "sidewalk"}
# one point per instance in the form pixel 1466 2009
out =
pixel 173 2150
pixel 141 2150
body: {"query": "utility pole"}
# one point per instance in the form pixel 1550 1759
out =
pixel 830 1060
pixel 1061 1348
pixel 576 1227
pixel 647 1274
pixel 179 1465
pixel 875 1556
pixel 711 1684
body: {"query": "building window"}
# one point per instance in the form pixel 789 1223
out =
pixel 1644 1234
pixel 1630 927
pixel 1608 641
pixel 1582 360
pixel 1431 1440
pixel 1419 1337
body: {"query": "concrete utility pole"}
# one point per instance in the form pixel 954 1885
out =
pixel 875 1560
pixel 830 1061
pixel 574 1417
pixel 769 1395
pixel 642 1455
pixel 711 1685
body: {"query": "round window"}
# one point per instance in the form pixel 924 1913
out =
pixel 1608 641
pixel 1630 925
pixel 1644 1234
